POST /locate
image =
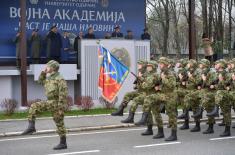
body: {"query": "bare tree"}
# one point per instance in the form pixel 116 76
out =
pixel 160 10
pixel 175 15
pixel 204 16
pixel 230 7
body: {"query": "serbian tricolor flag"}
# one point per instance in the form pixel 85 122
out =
pixel 112 75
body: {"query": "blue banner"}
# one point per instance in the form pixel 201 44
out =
pixel 69 15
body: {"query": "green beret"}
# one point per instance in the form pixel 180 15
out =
pixel 183 62
pixel 222 62
pixel 141 62
pixel 53 64
pixel 152 63
pixel 205 62
pixel 164 60
pixel 192 62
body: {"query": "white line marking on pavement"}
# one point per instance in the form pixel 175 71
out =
pixel 81 152
pixel 161 144
pixel 88 133
pixel 223 138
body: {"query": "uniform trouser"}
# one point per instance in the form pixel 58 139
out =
pixel 138 100
pixel 129 96
pixel 232 97
pixel 180 94
pixel 208 103
pixel 155 100
pixel 58 116
pixel 153 109
pixel 223 99
pixel 192 100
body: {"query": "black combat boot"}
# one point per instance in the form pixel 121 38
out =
pixel 183 115
pixel 149 131
pixel 233 126
pixel 160 134
pixel 214 112
pixel 31 128
pixel 143 120
pixel 209 130
pixel 119 111
pixel 221 123
pixel 198 113
pixel 226 132
pixel 185 126
pixel 62 144
pixel 173 136
pixel 196 128
pixel 130 118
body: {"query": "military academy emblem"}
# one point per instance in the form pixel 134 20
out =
pixel 104 3
pixel 123 55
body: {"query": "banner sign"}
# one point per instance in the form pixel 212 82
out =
pixel 69 15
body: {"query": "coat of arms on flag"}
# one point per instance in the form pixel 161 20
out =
pixel 112 74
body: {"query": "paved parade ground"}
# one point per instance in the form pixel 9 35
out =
pixel 124 141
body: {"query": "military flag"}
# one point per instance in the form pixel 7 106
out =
pixel 112 75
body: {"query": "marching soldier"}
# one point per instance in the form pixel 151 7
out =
pixel 131 95
pixel 222 98
pixel 186 86
pixel 56 92
pixel 145 85
pixel 193 98
pixel 164 93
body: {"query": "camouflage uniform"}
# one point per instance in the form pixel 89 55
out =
pixel 139 100
pixel 194 98
pixel 222 97
pixel 131 95
pixel 165 96
pixel 139 97
pixel 56 92
pixel 232 92
pixel 186 85
pixel 146 86
pixel 181 91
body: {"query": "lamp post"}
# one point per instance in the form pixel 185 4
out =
pixel 23 62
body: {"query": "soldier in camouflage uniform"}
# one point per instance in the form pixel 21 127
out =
pixel 208 91
pixel 231 69
pixel 139 100
pixel 222 96
pixel 231 87
pixel 164 93
pixel 56 92
pixel 131 95
pixel 186 86
pixel 193 98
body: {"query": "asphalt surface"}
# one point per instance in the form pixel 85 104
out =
pixel 126 141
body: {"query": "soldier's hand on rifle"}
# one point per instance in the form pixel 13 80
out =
pixel 189 75
pixel 199 87
pixel 157 88
pixel 180 76
pixel 183 83
pixel 203 77
pixel 163 76
pixel 212 86
pixel 233 77
pixel 221 78
pixel 140 74
pixel 227 88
